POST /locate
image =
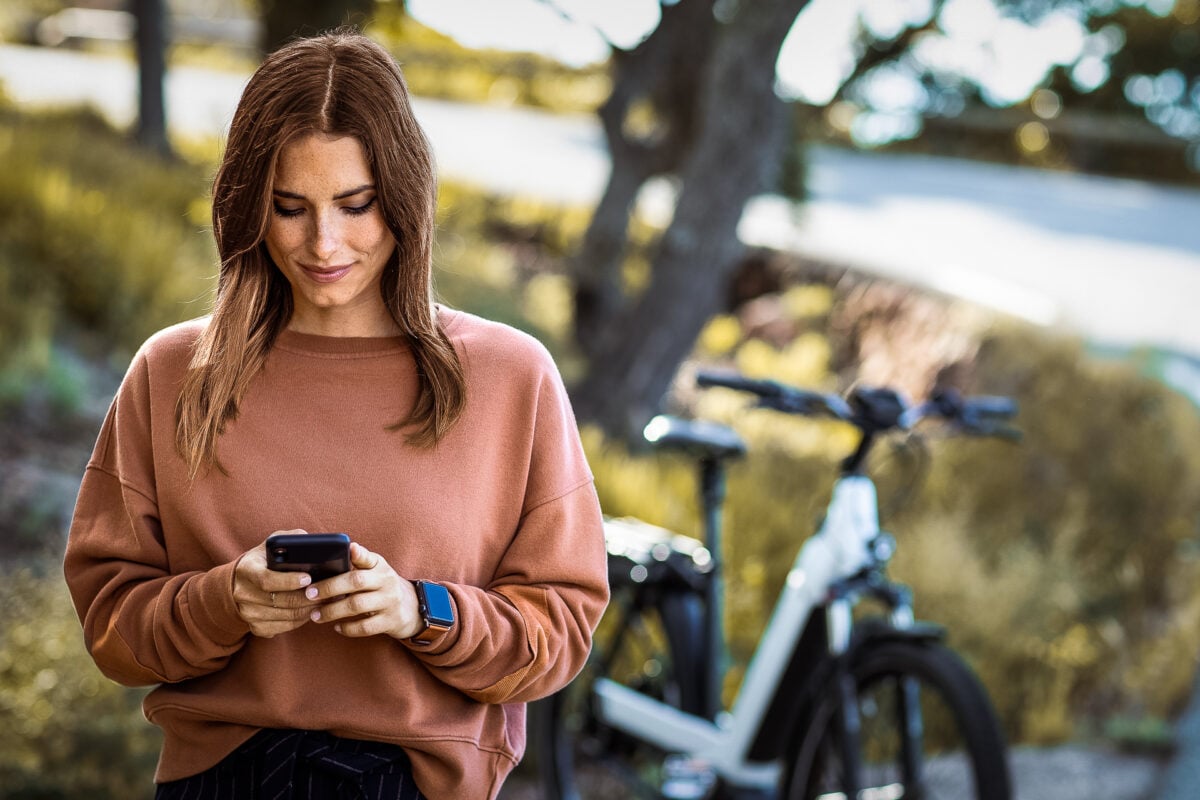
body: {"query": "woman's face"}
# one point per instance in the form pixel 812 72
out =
pixel 328 237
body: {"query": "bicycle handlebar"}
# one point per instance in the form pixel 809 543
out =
pixel 779 396
pixel 874 410
pixel 983 415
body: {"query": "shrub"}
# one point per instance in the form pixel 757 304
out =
pixel 95 237
pixel 66 731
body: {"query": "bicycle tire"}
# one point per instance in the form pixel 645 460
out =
pixel 579 758
pixel 962 750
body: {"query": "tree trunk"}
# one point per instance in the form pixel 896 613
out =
pixel 152 67
pixel 599 295
pixel 286 19
pixel 660 80
pixel 737 149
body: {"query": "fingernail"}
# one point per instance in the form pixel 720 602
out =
pixel 311 594
pixel 315 616
pixel 337 628
pixel 305 580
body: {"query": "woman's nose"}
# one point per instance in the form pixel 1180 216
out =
pixel 326 237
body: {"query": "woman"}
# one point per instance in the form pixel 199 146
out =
pixel 327 392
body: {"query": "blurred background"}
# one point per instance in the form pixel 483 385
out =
pixel 995 195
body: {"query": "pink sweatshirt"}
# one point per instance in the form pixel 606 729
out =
pixel 502 511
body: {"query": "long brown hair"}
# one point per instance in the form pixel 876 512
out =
pixel 338 83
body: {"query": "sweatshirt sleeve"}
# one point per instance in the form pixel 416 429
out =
pixel 529 632
pixel 142 624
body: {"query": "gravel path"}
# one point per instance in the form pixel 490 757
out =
pixel 1057 773
pixel 1181 778
pixel 1079 773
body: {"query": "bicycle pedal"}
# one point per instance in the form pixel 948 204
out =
pixel 687 778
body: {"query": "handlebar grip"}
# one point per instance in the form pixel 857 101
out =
pixel 731 380
pixel 990 406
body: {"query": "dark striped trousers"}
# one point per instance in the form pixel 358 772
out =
pixel 301 765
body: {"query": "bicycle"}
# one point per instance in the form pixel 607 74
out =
pixel 831 706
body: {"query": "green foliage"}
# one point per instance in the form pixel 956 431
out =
pixel 1081 541
pixel 66 731
pixel 284 19
pixel 49 382
pixel 95 236
pixel 16 16
pixel 1150 735
pixel 503 258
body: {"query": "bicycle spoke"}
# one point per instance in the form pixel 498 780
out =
pixel 908 697
pixel 926 732
pixel 849 735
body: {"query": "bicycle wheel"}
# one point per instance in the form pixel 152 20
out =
pixel 925 729
pixel 649 647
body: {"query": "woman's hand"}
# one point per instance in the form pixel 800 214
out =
pixel 368 600
pixel 270 602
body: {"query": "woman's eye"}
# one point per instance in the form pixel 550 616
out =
pixel 364 208
pixel 286 212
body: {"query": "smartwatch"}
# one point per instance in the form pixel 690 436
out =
pixel 434 606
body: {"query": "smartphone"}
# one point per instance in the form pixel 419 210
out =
pixel 321 555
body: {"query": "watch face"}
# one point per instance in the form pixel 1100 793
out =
pixel 438 609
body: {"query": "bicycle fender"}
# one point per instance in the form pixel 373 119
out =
pixel 810 670
pixel 869 631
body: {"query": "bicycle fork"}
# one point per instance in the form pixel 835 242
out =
pixel 839 625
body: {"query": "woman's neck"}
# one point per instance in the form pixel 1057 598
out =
pixel 339 323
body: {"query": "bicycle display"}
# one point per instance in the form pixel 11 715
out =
pixel 832 707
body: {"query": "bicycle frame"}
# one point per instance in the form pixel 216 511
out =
pixel 839 550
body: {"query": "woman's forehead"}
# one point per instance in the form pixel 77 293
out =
pixel 328 163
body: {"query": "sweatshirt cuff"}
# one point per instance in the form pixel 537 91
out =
pixel 211 604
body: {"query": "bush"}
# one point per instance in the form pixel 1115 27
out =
pixel 1080 543
pixel 66 731
pixel 96 238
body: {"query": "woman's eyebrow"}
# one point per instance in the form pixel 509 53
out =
pixel 341 196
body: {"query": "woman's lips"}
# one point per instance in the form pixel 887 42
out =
pixel 326 274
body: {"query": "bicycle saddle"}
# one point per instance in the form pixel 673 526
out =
pixel 699 438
